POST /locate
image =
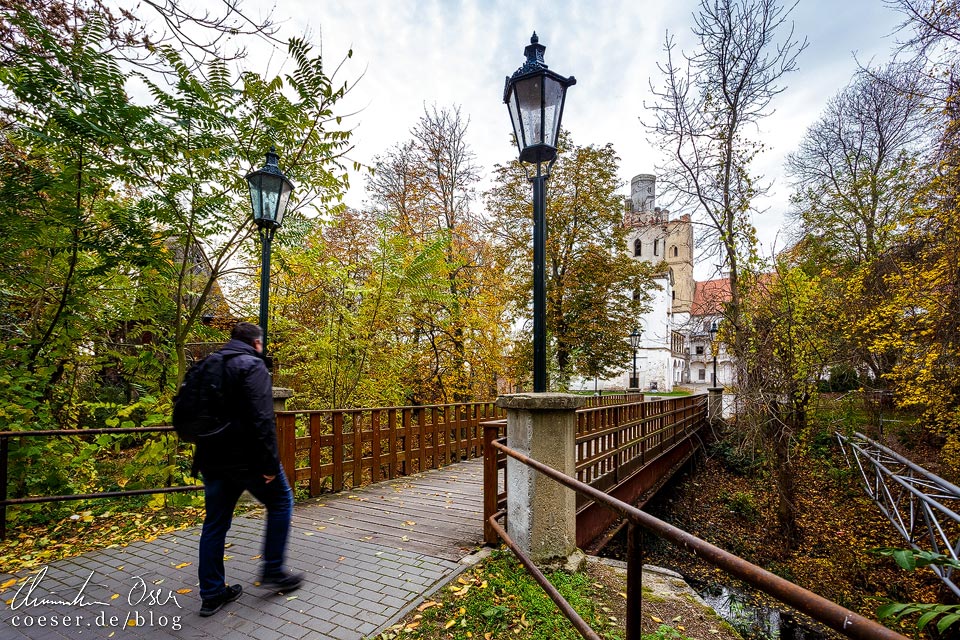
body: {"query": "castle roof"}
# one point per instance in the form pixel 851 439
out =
pixel 709 297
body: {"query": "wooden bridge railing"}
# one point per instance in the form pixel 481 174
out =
pixel 338 449
pixel 613 443
pixel 333 450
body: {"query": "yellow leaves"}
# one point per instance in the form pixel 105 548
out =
pixel 182 565
pixel 7 584
pixel 428 605
pixel 184 592
pixel 115 596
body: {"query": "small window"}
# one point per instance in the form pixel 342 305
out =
pixel 675 252
pixel 673 295
pixel 636 295
pixel 702 374
pixel 700 350
pixel 656 247
pixel 637 245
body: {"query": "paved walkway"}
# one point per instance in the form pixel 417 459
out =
pixel 370 556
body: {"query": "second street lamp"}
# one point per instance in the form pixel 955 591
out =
pixel 269 194
pixel 535 96
pixel 635 343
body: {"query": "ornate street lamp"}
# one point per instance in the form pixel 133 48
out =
pixel 713 350
pixel 535 96
pixel 635 343
pixel 269 194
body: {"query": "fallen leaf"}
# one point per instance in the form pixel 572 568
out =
pixel 308 533
pixel 182 565
pixel 656 619
pixel 184 591
pixel 428 605
pixel 320 528
pixel 409 523
pixel 414 624
pixel 405 538
pixel 115 596
pixel 450 623
pixel 8 583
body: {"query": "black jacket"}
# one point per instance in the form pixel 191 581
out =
pixel 249 441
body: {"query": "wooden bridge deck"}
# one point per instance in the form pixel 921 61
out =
pixel 439 512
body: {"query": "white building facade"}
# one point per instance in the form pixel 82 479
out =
pixel 676 346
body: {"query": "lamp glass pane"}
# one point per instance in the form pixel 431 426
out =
pixel 515 119
pixel 552 103
pixel 529 96
pixel 255 202
pixel 285 192
pixel 270 195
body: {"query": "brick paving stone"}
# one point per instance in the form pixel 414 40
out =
pixel 353 588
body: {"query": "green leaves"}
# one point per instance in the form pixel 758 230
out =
pixel 910 559
pixel 948 614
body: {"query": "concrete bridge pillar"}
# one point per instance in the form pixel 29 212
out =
pixel 714 405
pixel 541 513
pixel 280 397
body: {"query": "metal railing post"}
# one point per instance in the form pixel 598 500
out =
pixel 4 452
pixel 634 581
pixel 490 484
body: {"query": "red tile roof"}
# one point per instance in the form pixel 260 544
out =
pixel 709 297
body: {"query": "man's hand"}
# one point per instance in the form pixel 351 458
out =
pixel 268 479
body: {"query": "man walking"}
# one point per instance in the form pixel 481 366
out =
pixel 243 456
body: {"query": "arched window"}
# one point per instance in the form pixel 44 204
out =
pixel 675 252
pixel 656 247
pixel 636 295
pixel 637 244
pixel 673 295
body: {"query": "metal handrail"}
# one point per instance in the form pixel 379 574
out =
pixel 5 453
pixel 912 499
pixel 839 618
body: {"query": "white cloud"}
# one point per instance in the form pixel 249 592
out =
pixel 458 53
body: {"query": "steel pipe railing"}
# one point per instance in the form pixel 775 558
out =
pixel 836 617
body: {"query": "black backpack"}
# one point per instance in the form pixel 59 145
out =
pixel 199 407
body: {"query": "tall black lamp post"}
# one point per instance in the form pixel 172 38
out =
pixel 713 350
pixel 535 96
pixel 635 343
pixel 269 194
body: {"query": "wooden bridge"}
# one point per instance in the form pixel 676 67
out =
pixel 626 446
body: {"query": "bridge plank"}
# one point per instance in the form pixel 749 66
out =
pixel 445 504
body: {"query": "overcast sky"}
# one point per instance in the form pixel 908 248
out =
pixel 448 53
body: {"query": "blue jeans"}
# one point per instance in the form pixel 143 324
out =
pixel 220 497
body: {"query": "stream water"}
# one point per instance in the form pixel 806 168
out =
pixel 752 621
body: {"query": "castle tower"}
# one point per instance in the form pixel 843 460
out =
pixel 654 238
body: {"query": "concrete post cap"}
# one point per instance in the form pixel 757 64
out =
pixel 282 393
pixel 541 401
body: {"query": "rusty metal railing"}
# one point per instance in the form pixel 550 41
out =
pixel 839 618
pixel 6 502
pixel 623 450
